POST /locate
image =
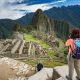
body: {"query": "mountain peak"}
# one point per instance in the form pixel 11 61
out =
pixel 41 21
pixel 39 11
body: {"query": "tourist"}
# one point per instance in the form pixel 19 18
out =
pixel 73 61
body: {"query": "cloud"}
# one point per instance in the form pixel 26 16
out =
pixel 11 14
pixel 33 8
pixel 10 1
pixel 60 1
pixel 10 9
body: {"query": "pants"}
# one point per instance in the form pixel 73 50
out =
pixel 73 63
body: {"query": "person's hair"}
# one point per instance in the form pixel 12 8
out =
pixel 75 33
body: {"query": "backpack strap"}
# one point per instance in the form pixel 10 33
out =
pixel 71 49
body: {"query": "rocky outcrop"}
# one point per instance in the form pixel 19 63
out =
pixel 61 71
pixel 41 22
pixel 47 72
pixel 22 71
pixel 14 68
pixel 20 67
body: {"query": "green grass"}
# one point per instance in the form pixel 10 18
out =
pixel 46 62
pixel 30 38
pixel 51 53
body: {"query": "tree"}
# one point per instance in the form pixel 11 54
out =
pixel 16 27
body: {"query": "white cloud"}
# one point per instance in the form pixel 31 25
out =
pixel 33 8
pixel 10 14
pixel 7 10
pixel 60 1
pixel 10 1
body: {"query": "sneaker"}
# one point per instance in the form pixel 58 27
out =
pixel 68 78
pixel 77 78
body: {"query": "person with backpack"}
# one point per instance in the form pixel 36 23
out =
pixel 73 44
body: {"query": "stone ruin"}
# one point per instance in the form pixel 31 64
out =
pixel 18 47
pixel 52 41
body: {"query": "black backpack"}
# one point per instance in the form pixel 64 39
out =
pixel 39 66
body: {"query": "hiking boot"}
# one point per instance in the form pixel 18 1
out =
pixel 68 78
pixel 77 78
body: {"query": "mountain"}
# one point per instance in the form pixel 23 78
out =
pixel 41 21
pixel 45 25
pixel 25 20
pixel 70 14
pixel 6 26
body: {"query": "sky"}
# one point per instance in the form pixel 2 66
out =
pixel 14 9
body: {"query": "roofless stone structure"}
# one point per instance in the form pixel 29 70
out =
pixel 18 47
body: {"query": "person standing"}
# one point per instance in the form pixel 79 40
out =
pixel 73 62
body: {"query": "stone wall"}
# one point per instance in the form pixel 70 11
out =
pixel 15 48
pixel 20 67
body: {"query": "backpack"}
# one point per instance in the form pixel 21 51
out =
pixel 39 66
pixel 76 54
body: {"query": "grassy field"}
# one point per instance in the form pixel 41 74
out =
pixel 51 54
pixel 30 38
pixel 46 62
